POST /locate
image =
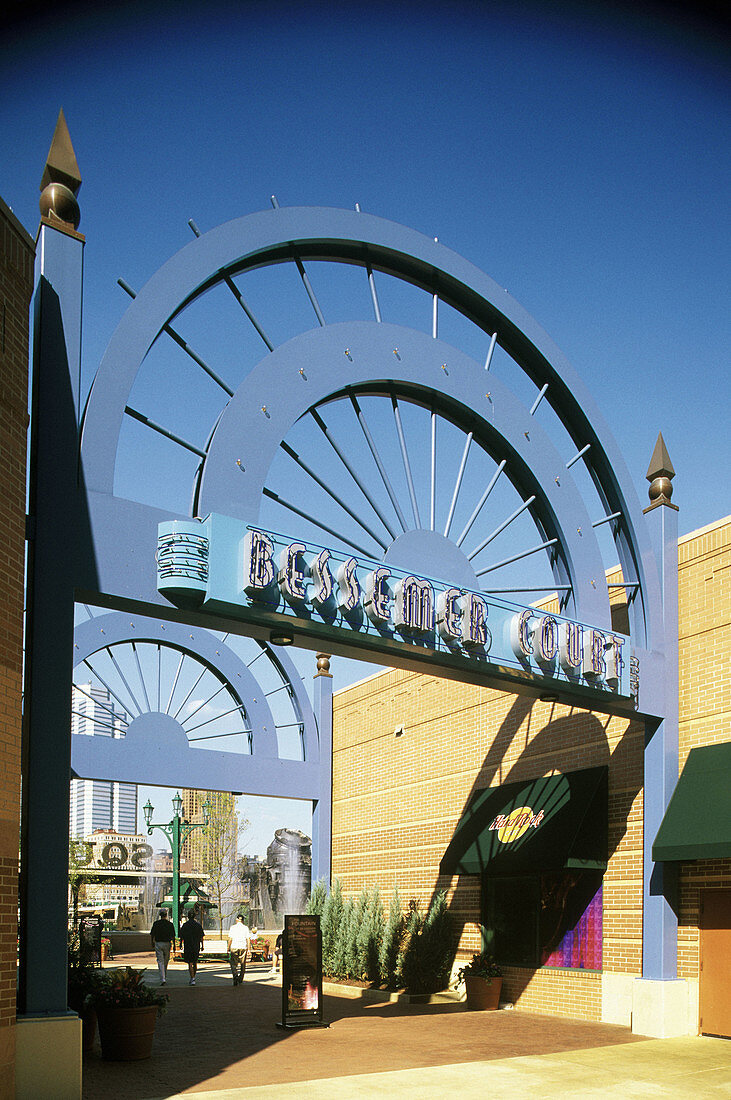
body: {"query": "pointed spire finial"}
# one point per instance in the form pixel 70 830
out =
pixel 61 178
pixel 660 474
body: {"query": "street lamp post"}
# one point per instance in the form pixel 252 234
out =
pixel 177 831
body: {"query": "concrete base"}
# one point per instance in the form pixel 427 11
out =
pixel 617 998
pixel 663 1010
pixel 48 1057
pixel 128 943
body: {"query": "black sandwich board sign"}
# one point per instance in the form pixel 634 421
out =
pixel 302 972
pixel 90 939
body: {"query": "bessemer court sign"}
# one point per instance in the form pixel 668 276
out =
pixel 225 567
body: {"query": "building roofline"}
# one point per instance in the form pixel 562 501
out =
pixel 17 226
pixel 705 530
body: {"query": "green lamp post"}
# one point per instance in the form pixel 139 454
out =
pixel 177 831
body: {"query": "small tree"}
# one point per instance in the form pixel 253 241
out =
pixel 369 938
pixel 217 851
pixel 429 952
pixel 82 873
pixel 359 937
pixel 317 899
pixel 332 912
pixel 391 942
pixel 343 959
pixel 407 955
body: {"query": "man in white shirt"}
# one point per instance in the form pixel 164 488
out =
pixel 237 941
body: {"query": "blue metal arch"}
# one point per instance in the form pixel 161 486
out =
pixel 283 234
pixel 164 758
pixel 245 441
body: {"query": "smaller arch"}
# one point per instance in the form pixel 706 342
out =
pixel 157 750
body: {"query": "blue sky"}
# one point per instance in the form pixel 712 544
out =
pixel 579 154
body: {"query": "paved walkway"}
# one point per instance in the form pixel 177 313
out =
pixel 217 1042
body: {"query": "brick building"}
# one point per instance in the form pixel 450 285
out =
pixel 16 284
pixel 412 753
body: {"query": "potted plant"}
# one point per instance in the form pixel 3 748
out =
pixel 82 977
pixel 483 981
pixel 126 1010
pixel 81 982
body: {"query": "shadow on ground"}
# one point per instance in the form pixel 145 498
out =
pixel 224 1038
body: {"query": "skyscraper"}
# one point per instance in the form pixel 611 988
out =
pixel 223 817
pixel 94 803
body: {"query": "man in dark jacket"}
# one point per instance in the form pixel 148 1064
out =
pixel 192 936
pixel 162 935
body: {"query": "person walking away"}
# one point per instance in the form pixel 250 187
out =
pixel 162 935
pixel 192 936
pixel 277 956
pixel 238 939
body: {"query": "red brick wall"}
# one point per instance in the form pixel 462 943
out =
pixel 16 283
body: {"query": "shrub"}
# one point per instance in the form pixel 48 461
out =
pixel 370 938
pixel 428 954
pixel 390 949
pixel 124 988
pixel 317 899
pixel 332 913
pixel 342 956
pixel 407 961
pixel 359 936
pixel 483 965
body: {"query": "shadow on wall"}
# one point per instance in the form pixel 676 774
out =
pixel 574 741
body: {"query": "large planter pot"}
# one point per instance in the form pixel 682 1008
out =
pixel 88 1030
pixel 483 994
pixel 126 1034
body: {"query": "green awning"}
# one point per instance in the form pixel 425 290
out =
pixel 697 822
pixel 547 824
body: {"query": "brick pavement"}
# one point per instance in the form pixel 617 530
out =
pixel 216 1037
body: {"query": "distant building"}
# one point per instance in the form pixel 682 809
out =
pixel 121 862
pixel 98 804
pixel 196 847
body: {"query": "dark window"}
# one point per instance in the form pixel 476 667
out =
pixel 553 919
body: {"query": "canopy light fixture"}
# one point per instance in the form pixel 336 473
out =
pixel 281 637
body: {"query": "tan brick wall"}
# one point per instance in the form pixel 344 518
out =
pixel 704 611
pixel 396 800
pixel 16 283
pixel 704 598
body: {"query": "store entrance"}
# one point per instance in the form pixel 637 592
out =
pixel 715 1007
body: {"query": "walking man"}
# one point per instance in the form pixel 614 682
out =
pixel 277 956
pixel 192 936
pixel 238 939
pixel 162 935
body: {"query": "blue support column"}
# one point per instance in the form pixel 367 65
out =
pixel 56 533
pixel 322 808
pixel 660 921
pixel 60 260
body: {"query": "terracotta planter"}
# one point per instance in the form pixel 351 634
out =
pixel 88 1030
pixel 483 994
pixel 126 1034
